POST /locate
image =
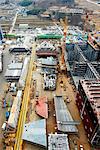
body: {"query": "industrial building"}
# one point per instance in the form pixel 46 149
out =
pixel 82 60
pixel 49 78
pixel 88 102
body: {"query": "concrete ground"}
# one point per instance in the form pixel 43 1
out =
pixel 7 57
pixel 3 85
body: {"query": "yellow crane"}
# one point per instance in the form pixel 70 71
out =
pixel 64 24
pixel 23 112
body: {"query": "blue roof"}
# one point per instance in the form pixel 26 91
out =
pixel 35 132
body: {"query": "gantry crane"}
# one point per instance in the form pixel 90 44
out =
pixel 24 108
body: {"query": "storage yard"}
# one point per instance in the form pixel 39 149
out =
pixel 49 83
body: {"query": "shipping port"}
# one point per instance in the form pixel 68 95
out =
pixel 49 75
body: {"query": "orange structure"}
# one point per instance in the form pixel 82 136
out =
pixel 63 44
pixel 42 107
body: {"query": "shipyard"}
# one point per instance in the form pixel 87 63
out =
pixel 49 75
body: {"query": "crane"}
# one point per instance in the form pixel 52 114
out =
pixel 86 21
pixel 23 112
pixel 64 24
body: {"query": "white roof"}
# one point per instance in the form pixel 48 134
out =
pixel 13 73
pixel 15 66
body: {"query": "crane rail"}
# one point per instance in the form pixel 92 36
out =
pixel 23 112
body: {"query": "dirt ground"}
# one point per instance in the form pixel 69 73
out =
pixel 81 137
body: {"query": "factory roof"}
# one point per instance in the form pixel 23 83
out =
pixel 65 122
pixel 45 46
pixel 48 61
pixel 41 53
pixel 15 66
pixel 92 91
pixel 49 31
pixel 49 36
pixel 35 132
pixel 13 74
pixel 65 9
pixel 58 142
pixel 19 48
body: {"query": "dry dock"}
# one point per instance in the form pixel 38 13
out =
pixel 51 121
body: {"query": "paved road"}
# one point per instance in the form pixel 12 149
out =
pixel 93 2
pixel 6 60
pixel 13 24
pixel 88 4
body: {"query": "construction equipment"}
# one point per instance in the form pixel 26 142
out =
pixel 63 44
pixel 22 117
pixel 86 21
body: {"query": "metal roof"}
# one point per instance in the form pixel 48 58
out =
pixel 58 142
pixel 65 122
pixel 15 66
pixel 48 61
pixel 35 132
pixel 12 74
pixel 49 36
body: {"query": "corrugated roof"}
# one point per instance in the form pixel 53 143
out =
pixel 12 74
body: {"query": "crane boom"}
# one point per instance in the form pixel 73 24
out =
pixel 63 44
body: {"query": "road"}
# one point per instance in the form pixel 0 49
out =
pixel 88 4
pixel 6 60
pixel 93 2
pixel 13 24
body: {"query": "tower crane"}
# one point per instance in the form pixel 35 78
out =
pixel 63 45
